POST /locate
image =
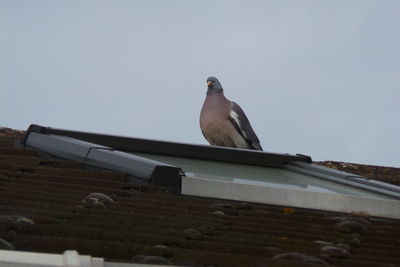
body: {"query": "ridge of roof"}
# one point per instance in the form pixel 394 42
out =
pixel 9 132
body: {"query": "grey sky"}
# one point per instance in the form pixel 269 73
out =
pixel 314 77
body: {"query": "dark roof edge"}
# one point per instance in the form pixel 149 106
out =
pixel 205 152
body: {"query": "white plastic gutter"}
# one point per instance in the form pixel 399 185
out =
pixel 70 258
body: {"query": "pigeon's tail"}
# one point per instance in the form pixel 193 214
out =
pixel 256 146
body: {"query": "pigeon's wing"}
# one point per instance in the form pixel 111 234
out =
pixel 242 125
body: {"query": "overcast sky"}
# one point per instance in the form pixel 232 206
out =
pixel 314 77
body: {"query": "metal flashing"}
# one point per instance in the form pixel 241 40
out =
pixel 213 188
pixel 140 169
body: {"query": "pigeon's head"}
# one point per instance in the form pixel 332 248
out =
pixel 214 86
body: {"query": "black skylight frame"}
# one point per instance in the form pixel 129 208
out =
pixel 206 152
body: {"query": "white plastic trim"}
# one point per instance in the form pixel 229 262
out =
pixel 70 258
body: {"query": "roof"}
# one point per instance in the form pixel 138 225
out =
pixel 52 205
pixel 381 173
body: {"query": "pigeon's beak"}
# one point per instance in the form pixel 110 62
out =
pixel 210 83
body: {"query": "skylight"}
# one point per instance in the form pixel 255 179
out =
pixel 235 174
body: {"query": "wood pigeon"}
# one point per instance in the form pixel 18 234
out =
pixel 223 122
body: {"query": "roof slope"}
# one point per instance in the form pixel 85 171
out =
pixel 48 205
pixel 385 174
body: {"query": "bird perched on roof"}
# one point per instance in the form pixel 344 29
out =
pixel 223 122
